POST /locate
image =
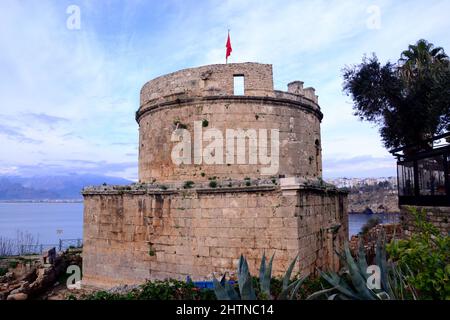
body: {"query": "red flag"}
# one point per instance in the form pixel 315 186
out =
pixel 228 46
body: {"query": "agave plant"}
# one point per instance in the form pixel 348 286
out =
pixel 352 284
pixel 225 291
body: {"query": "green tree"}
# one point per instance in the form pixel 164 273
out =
pixel 420 59
pixel 409 100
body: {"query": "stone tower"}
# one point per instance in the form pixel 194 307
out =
pixel 207 93
pixel 222 172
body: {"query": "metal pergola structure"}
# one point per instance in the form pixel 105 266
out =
pixel 423 176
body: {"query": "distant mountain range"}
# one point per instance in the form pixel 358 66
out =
pixel 64 187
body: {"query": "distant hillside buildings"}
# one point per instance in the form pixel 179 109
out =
pixel 361 182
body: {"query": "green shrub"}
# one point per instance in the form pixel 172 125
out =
pixel 311 286
pixel 158 290
pixel 426 257
pixel 3 271
pixel 104 295
pixel 370 224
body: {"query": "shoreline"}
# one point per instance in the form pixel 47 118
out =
pixel 43 201
pixel 374 213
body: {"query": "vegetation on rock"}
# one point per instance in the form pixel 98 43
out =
pixel 426 258
pixel 157 290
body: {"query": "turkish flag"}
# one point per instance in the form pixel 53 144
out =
pixel 228 46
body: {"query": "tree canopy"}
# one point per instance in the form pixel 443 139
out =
pixel 409 100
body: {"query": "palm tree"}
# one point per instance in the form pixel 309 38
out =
pixel 424 63
pixel 422 58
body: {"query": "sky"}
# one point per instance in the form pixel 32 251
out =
pixel 69 87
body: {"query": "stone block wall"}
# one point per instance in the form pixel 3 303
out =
pixel 133 235
pixel 210 80
pixel 438 216
pixel 299 136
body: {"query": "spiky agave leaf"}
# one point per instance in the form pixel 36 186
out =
pixel 333 296
pixel 220 292
pixel 245 281
pixel 317 294
pixel 357 279
pixel 381 261
pixel 362 261
pixel 335 281
pixel 287 275
pixel 297 287
pixel 231 292
pixel 290 292
pixel 262 267
pixel 223 290
pixel 265 280
pixel 383 296
pixel 223 279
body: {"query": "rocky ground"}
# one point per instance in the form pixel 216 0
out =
pixel 381 201
pixel 29 278
pixel 370 238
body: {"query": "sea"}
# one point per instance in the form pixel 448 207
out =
pixel 50 222
pixel 47 223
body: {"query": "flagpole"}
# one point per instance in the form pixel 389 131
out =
pixel 226 58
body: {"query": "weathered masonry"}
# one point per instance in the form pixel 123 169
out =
pixel 196 219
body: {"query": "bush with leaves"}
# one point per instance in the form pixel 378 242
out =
pixel 158 290
pixel 426 256
pixel 370 224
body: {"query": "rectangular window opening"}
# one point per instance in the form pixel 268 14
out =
pixel 238 85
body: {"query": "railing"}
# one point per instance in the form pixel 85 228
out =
pixel 62 245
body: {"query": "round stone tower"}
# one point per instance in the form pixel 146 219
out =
pixel 204 109
pixel 261 151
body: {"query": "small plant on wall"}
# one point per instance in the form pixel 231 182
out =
pixel 188 184
pixel 213 184
pixel 179 125
pixel 151 250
